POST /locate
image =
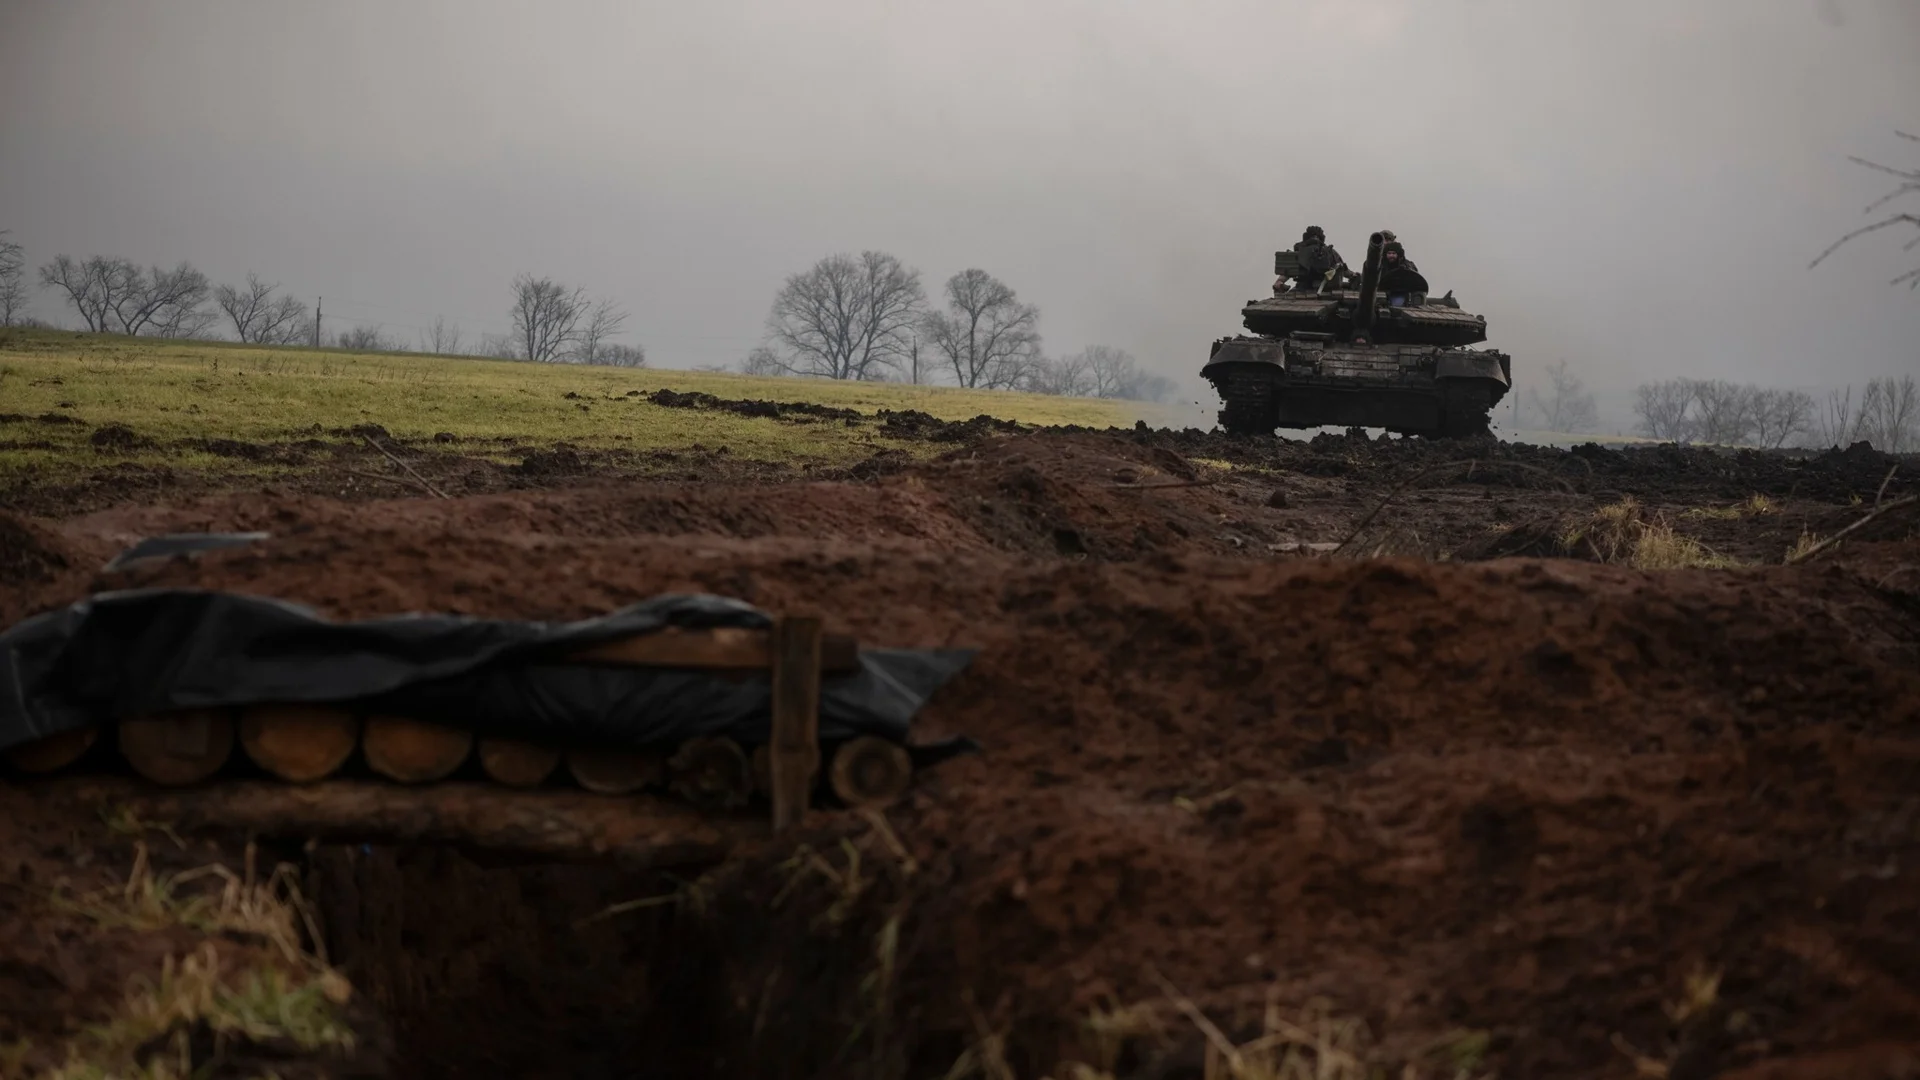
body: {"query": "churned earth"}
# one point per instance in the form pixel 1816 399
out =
pixel 1407 758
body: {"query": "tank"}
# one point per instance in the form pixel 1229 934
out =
pixel 1372 352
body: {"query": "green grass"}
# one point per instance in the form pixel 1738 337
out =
pixel 171 392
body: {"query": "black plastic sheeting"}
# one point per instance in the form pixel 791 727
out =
pixel 151 650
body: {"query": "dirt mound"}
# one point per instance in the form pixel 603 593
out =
pixel 771 409
pixel 29 554
pixel 914 424
pixel 116 437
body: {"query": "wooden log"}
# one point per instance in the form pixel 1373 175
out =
pixel 726 647
pixel 53 753
pixel 615 772
pixel 517 764
pixel 299 743
pixel 553 823
pixel 413 751
pixel 795 753
pixel 870 771
pixel 711 772
pixel 183 747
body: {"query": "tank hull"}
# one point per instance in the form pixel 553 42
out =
pixel 1308 381
pixel 1430 323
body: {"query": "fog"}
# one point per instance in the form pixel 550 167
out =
pixel 1636 186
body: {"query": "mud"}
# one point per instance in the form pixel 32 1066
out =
pixel 1498 808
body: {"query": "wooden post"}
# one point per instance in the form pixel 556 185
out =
pixel 795 754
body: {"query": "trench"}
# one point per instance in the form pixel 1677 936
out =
pixel 482 965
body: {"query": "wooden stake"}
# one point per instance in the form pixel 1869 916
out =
pixel 795 752
pixel 517 764
pixel 615 772
pixel 176 748
pixel 870 772
pixel 711 772
pixel 413 751
pixel 53 753
pixel 299 743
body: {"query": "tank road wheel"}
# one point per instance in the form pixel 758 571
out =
pixel 1247 403
pixel 1464 408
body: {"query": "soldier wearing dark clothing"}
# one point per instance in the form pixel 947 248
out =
pixel 1319 262
pixel 1398 276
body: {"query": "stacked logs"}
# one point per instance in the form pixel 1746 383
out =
pixel 302 744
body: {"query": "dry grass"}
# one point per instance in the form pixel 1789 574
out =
pixel 1755 506
pixel 1623 533
pixel 291 1000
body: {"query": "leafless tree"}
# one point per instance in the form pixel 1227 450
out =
pixel 1723 412
pixel 619 355
pixel 1067 376
pixel 260 317
pixel 13 285
pixel 599 322
pixel 498 347
pixel 1778 415
pixel 916 365
pixel 1837 423
pixel 761 361
pixel 1890 414
pixel 546 317
pixel 1665 409
pixel 440 339
pixel 1568 406
pixel 1908 184
pixel 986 334
pixel 846 317
pixel 88 285
pixel 365 339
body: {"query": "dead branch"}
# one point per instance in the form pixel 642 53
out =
pixel 1169 484
pixel 391 479
pixel 1883 486
pixel 391 456
pixel 1877 511
pixel 638 831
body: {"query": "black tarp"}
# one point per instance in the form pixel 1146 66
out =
pixel 151 650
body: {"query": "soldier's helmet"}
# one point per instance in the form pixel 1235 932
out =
pixel 1314 232
pixel 1392 247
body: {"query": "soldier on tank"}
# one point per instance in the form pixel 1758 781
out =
pixel 1319 262
pixel 1399 278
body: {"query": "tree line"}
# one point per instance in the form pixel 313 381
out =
pixel 549 322
pixel 1886 414
pixel 867 317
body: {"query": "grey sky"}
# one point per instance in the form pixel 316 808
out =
pixel 1635 185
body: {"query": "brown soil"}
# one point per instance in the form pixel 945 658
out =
pixel 1510 804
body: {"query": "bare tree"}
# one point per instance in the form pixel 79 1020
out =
pixel 1778 415
pixel 915 364
pixel 846 317
pixel 619 355
pixel 546 317
pixel 1665 409
pixel 170 303
pixel 440 339
pixel 989 337
pixel 258 316
pixel 498 347
pixel 1067 376
pixel 1890 414
pixel 365 339
pixel 1837 424
pixel 13 285
pixel 597 327
pixel 761 361
pixel 88 285
pixel 1908 184
pixel 1568 406
pixel 1723 412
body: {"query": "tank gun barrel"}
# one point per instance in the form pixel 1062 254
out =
pixel 1369 285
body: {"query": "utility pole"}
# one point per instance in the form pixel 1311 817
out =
pixel 316 320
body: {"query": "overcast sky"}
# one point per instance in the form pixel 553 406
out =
pixel 1634 185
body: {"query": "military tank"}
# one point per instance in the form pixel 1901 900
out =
pixel 1373 352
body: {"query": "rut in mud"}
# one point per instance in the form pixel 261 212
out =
pixel 1507 811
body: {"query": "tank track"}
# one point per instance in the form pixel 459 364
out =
pixel 1247 401
pixel 1465 408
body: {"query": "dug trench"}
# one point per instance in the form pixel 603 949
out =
pixel 1519 817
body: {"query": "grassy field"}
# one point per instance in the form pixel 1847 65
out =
pixel 174 394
